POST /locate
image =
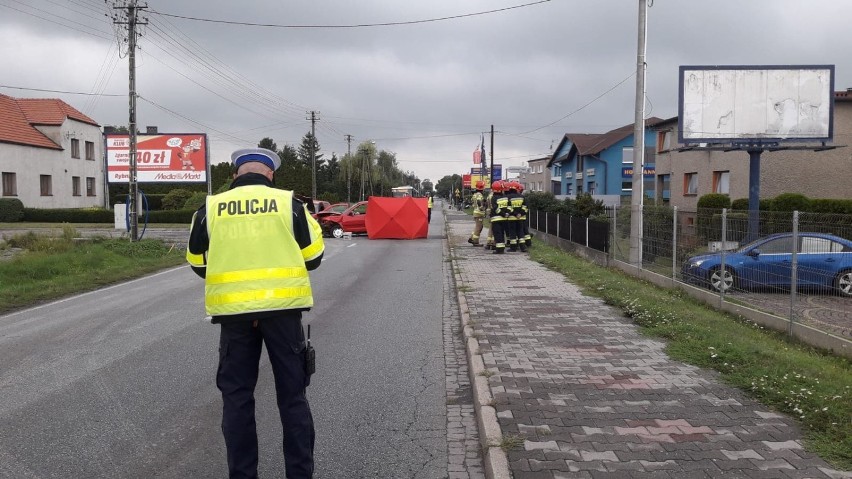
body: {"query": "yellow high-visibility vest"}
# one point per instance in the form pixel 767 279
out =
pixel 254 262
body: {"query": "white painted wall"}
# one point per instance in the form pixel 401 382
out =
pixel 29 163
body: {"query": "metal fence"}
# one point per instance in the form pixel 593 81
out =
pixel 790 264
pixel 588 232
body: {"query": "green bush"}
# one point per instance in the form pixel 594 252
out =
pixel 791 202
pixel 831 206
pixel 171 216
pixel 740 204
pixel 195 201
pixel 175 199
pixel 68 215
pixel 11 210
pixel 715 201
pixel 541 200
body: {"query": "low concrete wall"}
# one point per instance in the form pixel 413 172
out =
pixel 806 334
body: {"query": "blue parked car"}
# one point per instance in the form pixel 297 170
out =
pixel 823 261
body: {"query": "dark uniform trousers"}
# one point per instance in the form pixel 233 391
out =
pixel 240 345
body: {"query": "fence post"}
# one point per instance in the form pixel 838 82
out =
pixel 641 233
pixel 587 232
pixel 722 257
pixel 614 245
pixel 674 244
pixel 545 223
pixel 558 224
pixel 794 272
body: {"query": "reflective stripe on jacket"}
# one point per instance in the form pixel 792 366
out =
pixel 253 261
pixel 500 208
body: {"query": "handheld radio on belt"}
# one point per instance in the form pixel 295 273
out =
pixel 310 356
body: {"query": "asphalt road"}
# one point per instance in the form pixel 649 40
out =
pixel 120 382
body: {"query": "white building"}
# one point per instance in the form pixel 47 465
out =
pixel 51 155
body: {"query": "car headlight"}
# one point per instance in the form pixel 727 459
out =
pixel 696 263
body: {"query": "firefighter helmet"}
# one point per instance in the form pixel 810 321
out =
pixel 511 186
pixel 497 186
pixel 480 185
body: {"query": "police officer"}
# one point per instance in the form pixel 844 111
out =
pixel 254 245
pixel 500 212
pixel 478 203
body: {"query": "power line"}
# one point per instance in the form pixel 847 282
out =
pixel 60 91
pixel 359 25
pixel 172 112
pixel 58 23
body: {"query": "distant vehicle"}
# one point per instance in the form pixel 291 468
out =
pixel 823 261
pixel 320 205
pixel 402 191
pixel 353 220
pixel 334 209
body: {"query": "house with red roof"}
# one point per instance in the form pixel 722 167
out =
pixel 51 154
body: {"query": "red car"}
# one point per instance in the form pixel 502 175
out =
pixel 334 209
pixel 353 220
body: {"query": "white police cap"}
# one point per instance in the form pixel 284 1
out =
pixel 261 155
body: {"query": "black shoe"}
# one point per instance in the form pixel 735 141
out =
pixel 513 248
pixel 523 249
pixel 470 240
pixel 498 251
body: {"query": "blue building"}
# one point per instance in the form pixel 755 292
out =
pixel 601 163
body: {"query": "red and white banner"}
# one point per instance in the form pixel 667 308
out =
pixel 161 158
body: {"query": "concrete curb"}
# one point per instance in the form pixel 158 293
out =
pixel 494 457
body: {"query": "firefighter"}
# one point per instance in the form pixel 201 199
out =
pixel 478 203
pixel 500 212
pixel 489 237
pixel 513 222
pixel 524 238
pixel 254 245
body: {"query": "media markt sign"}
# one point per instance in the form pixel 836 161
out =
pixel 161 158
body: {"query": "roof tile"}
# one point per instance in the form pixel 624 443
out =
pixel 19 115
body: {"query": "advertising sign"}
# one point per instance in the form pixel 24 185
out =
pixel 484 172
pixel 649 172
pixel 466 181
pixel 748 103
pixel 161 158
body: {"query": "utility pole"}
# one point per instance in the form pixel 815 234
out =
pixel 491 173
pixel 313 119
pixel 638 194
pixel 349 168
pixel 133 189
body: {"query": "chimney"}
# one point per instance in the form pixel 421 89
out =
pixel 150 130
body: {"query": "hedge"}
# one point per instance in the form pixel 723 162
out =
pixel 171 216
pixel 68 215
pixel 11 210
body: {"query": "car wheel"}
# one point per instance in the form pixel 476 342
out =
pixel 721 280
pixel 337 231
pixel 843 283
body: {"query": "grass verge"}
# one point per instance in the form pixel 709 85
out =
pixel 52 267
pixel 808 384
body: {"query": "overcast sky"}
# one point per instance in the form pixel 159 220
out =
pixel 424 91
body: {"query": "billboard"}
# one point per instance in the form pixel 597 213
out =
pixel 747 103
pixel 484 172
pixel 160 158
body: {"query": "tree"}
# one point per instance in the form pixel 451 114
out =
pixel 268 143
pixel 304 152
pixel 447 185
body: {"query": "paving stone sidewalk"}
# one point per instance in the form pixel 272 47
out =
pixel 591 397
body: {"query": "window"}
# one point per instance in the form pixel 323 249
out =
pixel 540 186
pixel 75 186
pixel 90 186
pixel 777 246
pixel 10 187
pixel 690 184
pixel 592 187
pixel 75 148
pixel 627 155
pixel 90 150
pixel 569 189
pixel 721 182
pixel 664 184
pixel 46 185
pixel 664 141
pixel 626 186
